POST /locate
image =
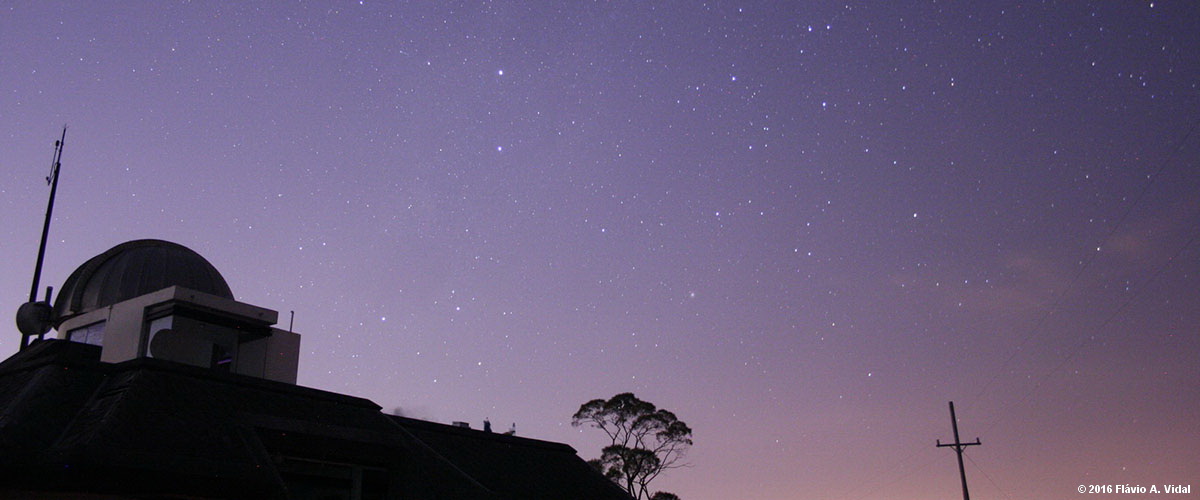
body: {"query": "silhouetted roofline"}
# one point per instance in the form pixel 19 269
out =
pixel 70 423
pixel 426 425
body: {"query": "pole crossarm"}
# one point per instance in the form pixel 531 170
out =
pixel 958 446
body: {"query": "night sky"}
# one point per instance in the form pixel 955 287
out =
pixel 804 228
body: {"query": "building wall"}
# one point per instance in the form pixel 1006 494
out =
pixel 126 333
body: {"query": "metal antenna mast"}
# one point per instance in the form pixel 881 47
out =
pixel 37 269
pixel 958 447
pixel 53 181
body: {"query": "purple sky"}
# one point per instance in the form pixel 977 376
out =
pixel 803 228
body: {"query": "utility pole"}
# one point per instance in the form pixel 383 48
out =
pixel 958 446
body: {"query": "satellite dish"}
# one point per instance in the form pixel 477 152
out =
pixel 34 318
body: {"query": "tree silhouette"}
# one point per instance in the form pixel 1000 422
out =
pixel 644 441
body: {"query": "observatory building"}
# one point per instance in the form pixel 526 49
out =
pixel 160 384
pixel 156 299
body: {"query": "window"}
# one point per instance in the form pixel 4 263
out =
pixel 191 341
pixel 91 334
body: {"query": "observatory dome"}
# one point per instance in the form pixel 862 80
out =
pixel 132 269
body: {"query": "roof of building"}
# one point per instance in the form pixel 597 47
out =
pixel 70 423
pixel 132 269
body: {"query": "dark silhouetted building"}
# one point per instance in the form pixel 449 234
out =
pixel 161 385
